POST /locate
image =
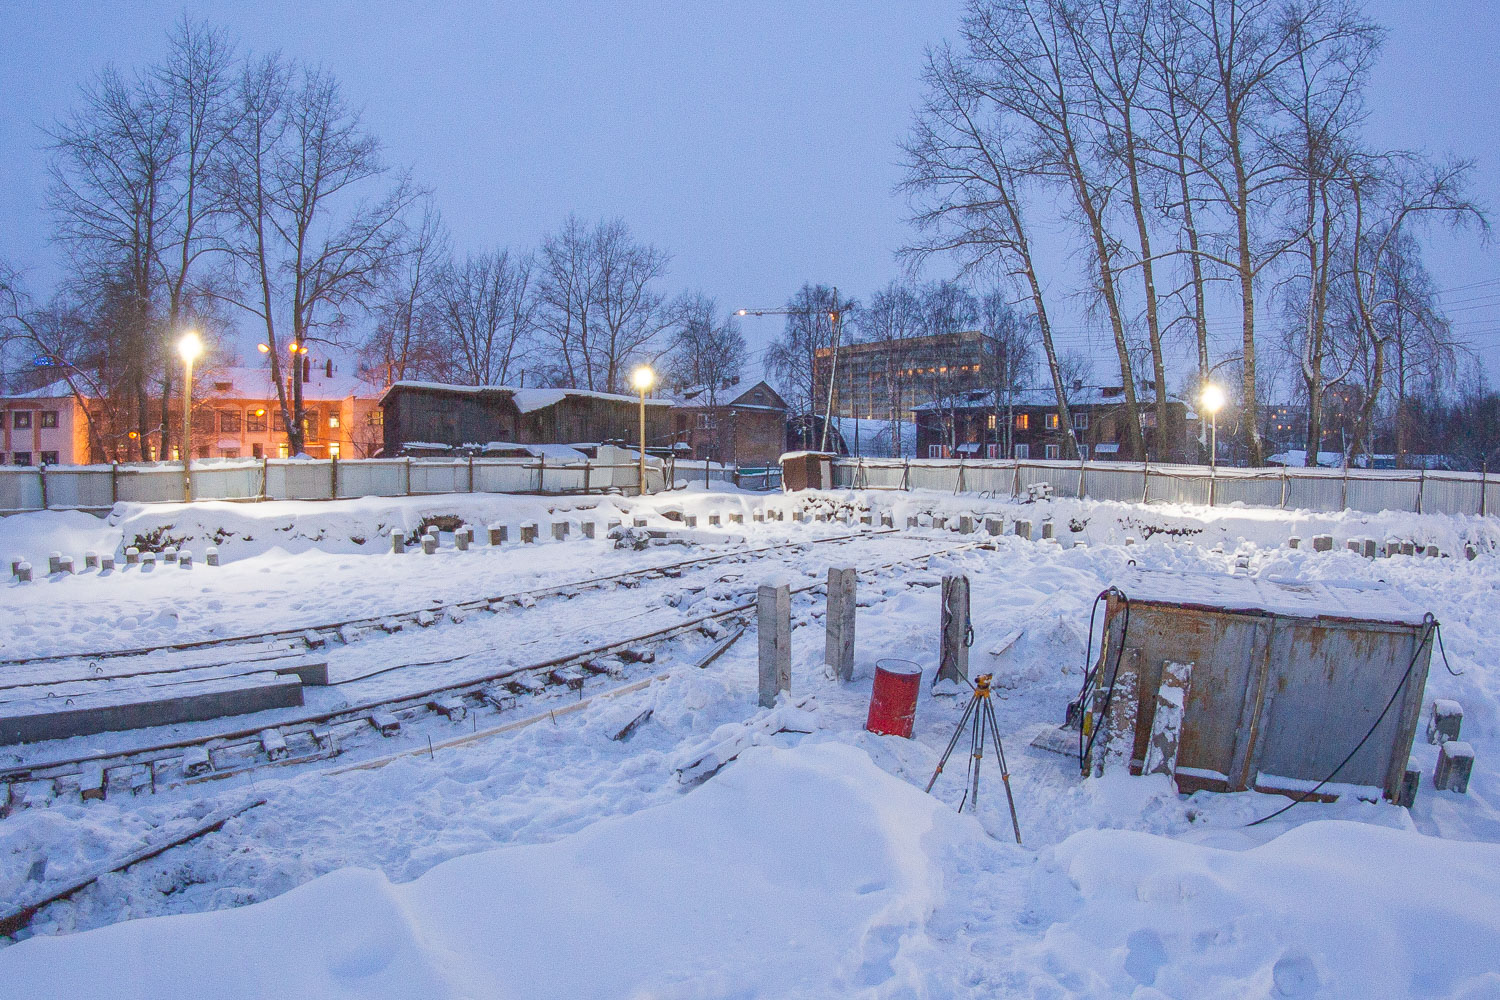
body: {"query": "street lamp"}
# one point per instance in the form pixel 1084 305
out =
pixel 1212 400
pixel 835 315
pixel 643 378
pixel 188 348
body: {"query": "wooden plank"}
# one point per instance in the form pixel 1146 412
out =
pixel 1166 719
pixel 19 915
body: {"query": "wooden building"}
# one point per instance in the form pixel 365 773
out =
pixel 745 427
pixel 427 418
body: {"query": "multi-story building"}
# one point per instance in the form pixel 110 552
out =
pixel 1024 424
pixel 740 426
pixel 888 379
pixel 236 414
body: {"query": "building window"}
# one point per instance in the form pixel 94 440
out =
pixel 21 458
pixel 377 417
pixel 1080 421
pixel 21 420
pixel 49 458
pixel 1053 451
pixel 231 453
pixel 310 423
pixel 203 422
pixel 281 450
pixel 278 422
pixel 992 450
pixel 333 449
pixel 255 420
pixel 230 421
pixel 333 421
pixel 1023 421
pixel 49 418
pixel 1023 451
pixel 990 421
pixel 1051 422
pixel 933 451
pixel 203 451
pixel 257 451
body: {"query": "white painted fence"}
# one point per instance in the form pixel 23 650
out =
pixel 98 487
pixel 1369 490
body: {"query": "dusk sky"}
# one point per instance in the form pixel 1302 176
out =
pixel 756 143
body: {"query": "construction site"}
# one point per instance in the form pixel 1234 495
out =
pixel 914 743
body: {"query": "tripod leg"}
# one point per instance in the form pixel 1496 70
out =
pixel 978 751
pixel 1015 823
pixel 957 732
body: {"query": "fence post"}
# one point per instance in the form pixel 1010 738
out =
pixel 1285 482
pixel 471 473
pixel 333 477
pixel 1421 487
pixel 265 475
pixel 1082 475
pixel 1213 483
pixel 586 476
pixel 1145 479
pixel 1484 475
pixel 1344 486
pixel 406 489
pixel 114 484
pixel 541 473
pixel 958 483
pixel 41 475
pixel 906 475
pixel 1015 479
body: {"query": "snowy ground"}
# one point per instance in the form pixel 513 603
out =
pixel 611 878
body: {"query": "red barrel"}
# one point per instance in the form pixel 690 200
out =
pixel 893 703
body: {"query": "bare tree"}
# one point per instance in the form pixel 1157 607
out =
pixel 484 311
pixel 318 220
pixel 404 343
pixel 708 353
pixel 793 358
pixel 1008 339
pixel 966 167
pixel 894 318
pixel 600 311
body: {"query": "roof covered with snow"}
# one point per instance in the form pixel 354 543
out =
pixel 1269 595
pixel 527 400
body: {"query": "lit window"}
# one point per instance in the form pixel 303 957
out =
pixel 281 450
pixel 1052 421
pixel 1023 421
pixel 333 449
pixel 333 420
pixel 49 418
pixel 21 420
pixel 49 458
pixel 991 423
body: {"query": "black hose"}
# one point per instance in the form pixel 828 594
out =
pixel 1431 627
pixel 1090 679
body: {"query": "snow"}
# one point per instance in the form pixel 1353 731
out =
pixel 1295 598
pixel 527 400
pixel 555 860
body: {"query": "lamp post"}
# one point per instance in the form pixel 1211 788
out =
pixel 188 348
pixel 1212 399
pixel 643 378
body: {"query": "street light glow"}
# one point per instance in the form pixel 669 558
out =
pixel 1212 399
pixel 262 348
pixel 643 378
pixel 189 348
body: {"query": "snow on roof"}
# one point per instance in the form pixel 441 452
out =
pixel 1298 457
pixel 1295 598
pixel 255 382
pixel 54 390
pixel 527 400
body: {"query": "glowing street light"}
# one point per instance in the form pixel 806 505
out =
pixel 1212 400
pixel 643 378
pixel 189 348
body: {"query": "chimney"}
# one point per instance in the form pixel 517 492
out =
pixel 328 368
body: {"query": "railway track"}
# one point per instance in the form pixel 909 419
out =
pixel 325 735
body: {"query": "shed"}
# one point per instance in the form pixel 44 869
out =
pixel 806 470
pixel 1286 677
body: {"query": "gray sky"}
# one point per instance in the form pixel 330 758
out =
pixel 756 142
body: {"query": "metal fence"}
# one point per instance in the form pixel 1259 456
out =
pixel 98 487
pixel 1370 490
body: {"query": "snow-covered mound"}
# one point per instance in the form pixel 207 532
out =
pixel 812 872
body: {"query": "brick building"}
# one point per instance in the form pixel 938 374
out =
pixel 973 425
pixel 742 427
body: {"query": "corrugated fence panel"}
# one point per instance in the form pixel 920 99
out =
pixel 439 476
pixel 1114 481
pixel 86 487
pixel 372 477
pixel 20 489
pixel 934 475
pixel 1255 489
pixel 1376 492
pixel 1311 490
pixel 1450 493
pixel 299 479
pixel 1061 476
pixel 149 484
pixel 987 478
pixel 239 481
pixel 505 475
pixel 1168 484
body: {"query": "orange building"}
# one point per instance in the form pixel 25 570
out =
pixel 236 414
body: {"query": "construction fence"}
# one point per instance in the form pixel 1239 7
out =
pixel 97 488
pixel 1369 490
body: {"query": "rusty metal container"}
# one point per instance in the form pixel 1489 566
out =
pixel 806 470
pixel 1286 677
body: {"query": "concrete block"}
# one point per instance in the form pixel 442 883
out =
pixel 1408 548
pixel 954 628
pixel 166 704
pixel 169 555
pixel 91 783
pixel 714 521
pixel 1322 543
pixel 211 556
pixel 461 540
pixel 54 563
pixel 528 533
pixel 1470 552
pixel 497 533
pixel 758 516
pixel 773 609
pixel 148 561
pixel 690 520
pixel 1431 551
pixel 887 519
pixel 450 707
pixel 1367 548
pixel 611 525
pixel 1444 723
pixel 1294 542
pixel 398 541
pixel 965 524
pixel 385 723
pixel 1355 545
pixel 65 565
pixel 559 531
pixel 1455 764
pixel 639 522
pixel 995 526
pixel 1023 530
pixel 838 648
pixel 91 560
pixel 589 528
pixel 273 744
pixel 867 518
pixel 107 564
pixel 132 556
pixel 939 521
pixel 1048 530
pixel 429 544
pixel 1411 780
pixel 911 520
pixel 1392 547
pixel 736 518
pixel 185 558
pixel 196 761
pixel 15 566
